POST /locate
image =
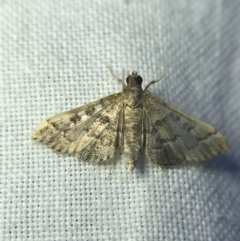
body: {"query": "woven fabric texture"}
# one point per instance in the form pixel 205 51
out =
pixel 53 58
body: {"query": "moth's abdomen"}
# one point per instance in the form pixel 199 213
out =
pixel 132 135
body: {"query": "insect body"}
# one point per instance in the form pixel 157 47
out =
pixel 131 120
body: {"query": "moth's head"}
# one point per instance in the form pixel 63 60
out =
pixel 134 79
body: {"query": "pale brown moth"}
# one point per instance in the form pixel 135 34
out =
pixel 131 120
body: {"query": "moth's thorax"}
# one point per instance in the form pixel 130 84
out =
pixel 133 96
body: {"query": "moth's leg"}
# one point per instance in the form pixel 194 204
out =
pixel 121 129
pixel 143 128
pixel 114 76
pixel 113 162
pixel 120 139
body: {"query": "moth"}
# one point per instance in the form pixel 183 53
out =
pixel 132 121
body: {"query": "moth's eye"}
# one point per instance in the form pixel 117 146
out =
pixel 139 80
pixel 127 79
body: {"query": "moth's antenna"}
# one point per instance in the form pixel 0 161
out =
pixel 114 76
pixel 123 75
pixel 155 81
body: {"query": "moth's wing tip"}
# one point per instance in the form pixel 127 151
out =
pixel 35 134
pixel 39 131
pixel 224 143
pixel 226 146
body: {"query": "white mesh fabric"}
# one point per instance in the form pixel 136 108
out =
pixel 53 58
